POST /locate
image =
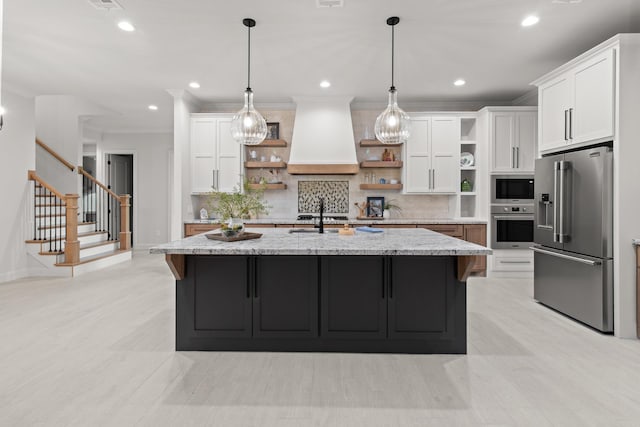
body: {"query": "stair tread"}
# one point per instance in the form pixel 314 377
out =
pixel 89 246
pixel 47 227
pixel 93 258
pixel 90 233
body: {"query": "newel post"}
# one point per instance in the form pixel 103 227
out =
pixel 125 221
pixel 71 245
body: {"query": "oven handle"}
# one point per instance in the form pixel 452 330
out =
pixel 563 256
pixel 513 217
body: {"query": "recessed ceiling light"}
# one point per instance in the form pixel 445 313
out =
pixel 460 82
pixel 194 85
pixel 126 26
pixel 529 21
pixel 325 84
pixel 153 107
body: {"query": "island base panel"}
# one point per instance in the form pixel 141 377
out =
pixel 440 320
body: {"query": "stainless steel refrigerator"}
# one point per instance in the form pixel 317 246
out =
pixel 573 251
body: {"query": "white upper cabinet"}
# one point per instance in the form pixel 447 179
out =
pixel 577 106
pixel 433 155
pixel 216 159
pixel 513 137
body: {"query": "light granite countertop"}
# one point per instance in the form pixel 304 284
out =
pixel 407 221
pixel 278 241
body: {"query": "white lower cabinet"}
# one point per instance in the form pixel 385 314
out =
pixel 512 260
pixel 432 155
pixel 216 159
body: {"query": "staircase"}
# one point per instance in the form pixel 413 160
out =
pixel 68 243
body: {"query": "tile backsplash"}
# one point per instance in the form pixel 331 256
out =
pixel 334 193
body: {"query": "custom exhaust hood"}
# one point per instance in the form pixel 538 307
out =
pixel 322 141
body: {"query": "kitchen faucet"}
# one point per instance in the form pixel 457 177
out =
pixel 321 222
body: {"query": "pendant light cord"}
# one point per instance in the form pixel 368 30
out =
pixel 249 58
pixel 393 44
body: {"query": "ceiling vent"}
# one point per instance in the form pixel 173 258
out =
pixel 105 4
pixel 329 3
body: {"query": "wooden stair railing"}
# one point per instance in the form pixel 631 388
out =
pixel 57 156
pixel 52 205
pixel 108 210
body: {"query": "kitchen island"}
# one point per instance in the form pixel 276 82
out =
pixel 402 290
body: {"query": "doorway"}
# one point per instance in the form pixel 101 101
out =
pixel 119 179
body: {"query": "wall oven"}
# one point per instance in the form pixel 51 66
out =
pixel 512 189
pixel 512 226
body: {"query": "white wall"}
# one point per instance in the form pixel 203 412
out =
pixel 151 201
pixel 18 156
pixel 58 125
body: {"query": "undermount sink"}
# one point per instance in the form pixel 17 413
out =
pixel 312 230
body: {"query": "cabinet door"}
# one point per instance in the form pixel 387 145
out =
pixel 417 290
pixel 418 157
pixel 285 299
pixel 202 144
pixel 445 154
pixel 527 138
pixel 353 294
pixel 503 135
pixel 593 112
pixel 477 233
pixel 222 296
pixel 229 162
pixel 554 99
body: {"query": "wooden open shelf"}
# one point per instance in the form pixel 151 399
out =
pixel 272 143
pixel 373 218
pixel 273 165
pixel 280 186
pixel 381 186
pixel 375 143
pixel 395 164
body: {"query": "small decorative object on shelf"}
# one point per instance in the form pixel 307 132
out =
pixel 466 185
pixel 204 214
pixel 388 155
pixel 375 207
pixel 362 206
pixel 273 130
pixel 390 206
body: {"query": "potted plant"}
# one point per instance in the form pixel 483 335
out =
pixel 390 206
pixel 232 208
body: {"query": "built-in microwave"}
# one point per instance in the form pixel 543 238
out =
pixel 509 189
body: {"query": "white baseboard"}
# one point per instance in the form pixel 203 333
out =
pixel 14 275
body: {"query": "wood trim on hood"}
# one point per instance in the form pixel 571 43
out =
pixel 323 169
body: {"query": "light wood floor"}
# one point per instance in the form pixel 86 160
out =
pixel 98 350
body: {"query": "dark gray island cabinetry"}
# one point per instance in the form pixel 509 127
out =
pixel 398 291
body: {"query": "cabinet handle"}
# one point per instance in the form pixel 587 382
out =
pixel 515 262
pixel 570 123
pixel 566 138
pixel 249 275
pixel 255 279
pixel 385 274
pixel 433 181
pixel 390 280
pixel 517 157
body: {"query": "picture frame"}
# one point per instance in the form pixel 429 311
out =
pixel 375 207
pixel 273 130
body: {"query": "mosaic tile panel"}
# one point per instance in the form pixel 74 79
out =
pixel 335 194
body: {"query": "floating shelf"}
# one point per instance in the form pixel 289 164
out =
pixel 467 142
pixel 271 143
pixel 375 143
pixel 280 186
pixel 274 165
pixel 396 164
pixel 468 168
pixel 467 193
pixel 381 186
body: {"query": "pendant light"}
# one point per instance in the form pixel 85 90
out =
pixel 248 127
pixel 392 125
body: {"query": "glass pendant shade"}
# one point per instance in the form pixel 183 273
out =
pixel 393 125
pixel 248 127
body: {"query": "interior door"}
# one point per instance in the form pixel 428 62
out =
pixel 445 152
pixel 418 157
pixel 120 181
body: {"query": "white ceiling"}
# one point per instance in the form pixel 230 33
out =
pixel 69 47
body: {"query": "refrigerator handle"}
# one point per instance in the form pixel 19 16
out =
pixel 556 202
pixel 564 256
pixel 563 167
